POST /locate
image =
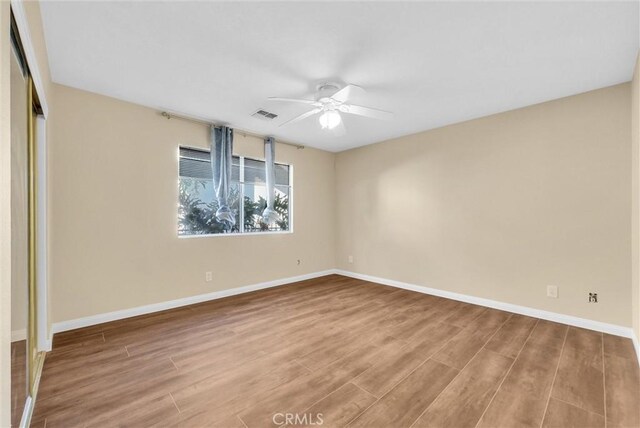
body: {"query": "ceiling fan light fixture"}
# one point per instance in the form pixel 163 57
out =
pixel 329 102
pixel 330 119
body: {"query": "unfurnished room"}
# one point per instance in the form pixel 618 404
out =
pixel 376 214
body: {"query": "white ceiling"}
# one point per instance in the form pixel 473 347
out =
pixel 432 64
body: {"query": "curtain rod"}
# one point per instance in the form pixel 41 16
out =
pixel 169 115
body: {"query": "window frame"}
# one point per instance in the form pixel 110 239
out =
pixel 241 182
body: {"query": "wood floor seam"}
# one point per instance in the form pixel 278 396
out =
pixel 507 374
pixel 416 368
pixel 554 378
pixel 577 407
pixel 362 412
pixel 365 391
pixel 174 364
pixel 584 389
pixel 174 403
pixel 241 421
pixel 458 374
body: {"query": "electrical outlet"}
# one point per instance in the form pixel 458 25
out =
pixel 552 291
pixel 208 276
pixel 593 297
pixel 350 258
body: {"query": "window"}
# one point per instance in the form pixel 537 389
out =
pixel 197 203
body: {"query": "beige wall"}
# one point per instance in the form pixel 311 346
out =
pixel 497 207
pixel 114 241
pixel 501 207
pixel 635 212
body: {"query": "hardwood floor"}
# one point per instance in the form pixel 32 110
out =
pixel 343 352
pixel 18 380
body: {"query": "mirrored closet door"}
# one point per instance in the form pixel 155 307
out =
pixel 25 357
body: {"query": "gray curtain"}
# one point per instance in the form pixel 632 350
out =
pixel 221 160
pixel 269 215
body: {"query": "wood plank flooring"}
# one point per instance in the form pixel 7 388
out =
pixel 343 352
pixel 18 380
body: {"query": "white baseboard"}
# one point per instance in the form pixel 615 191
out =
pixel 18 335
pixel 614 329
pixel 46 345
pixel 157 307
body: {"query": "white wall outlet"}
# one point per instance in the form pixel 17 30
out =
pixel 208 276
pixel 552 291
pixel 350 258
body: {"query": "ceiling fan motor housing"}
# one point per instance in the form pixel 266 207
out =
pixel 326 90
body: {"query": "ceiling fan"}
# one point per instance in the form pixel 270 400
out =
pixel 330 101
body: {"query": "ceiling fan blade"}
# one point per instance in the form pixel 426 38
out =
pixel 366 111
pixel 339 130
pixel 294 100
pixel 302 116
pixel 346 93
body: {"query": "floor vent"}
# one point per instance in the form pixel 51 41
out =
pixel 264 115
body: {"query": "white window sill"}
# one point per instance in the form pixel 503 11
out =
pixel 217 235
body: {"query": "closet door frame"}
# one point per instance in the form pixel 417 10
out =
pixel 38 339
pixel 43 334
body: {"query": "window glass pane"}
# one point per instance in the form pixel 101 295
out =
pixel 255 201
pixel 282 174
pixel 254 171
pixel 197 164
pixel 235 168
pixel 198 205
pixel 195 168
pixel 199 154
pixel 282 206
